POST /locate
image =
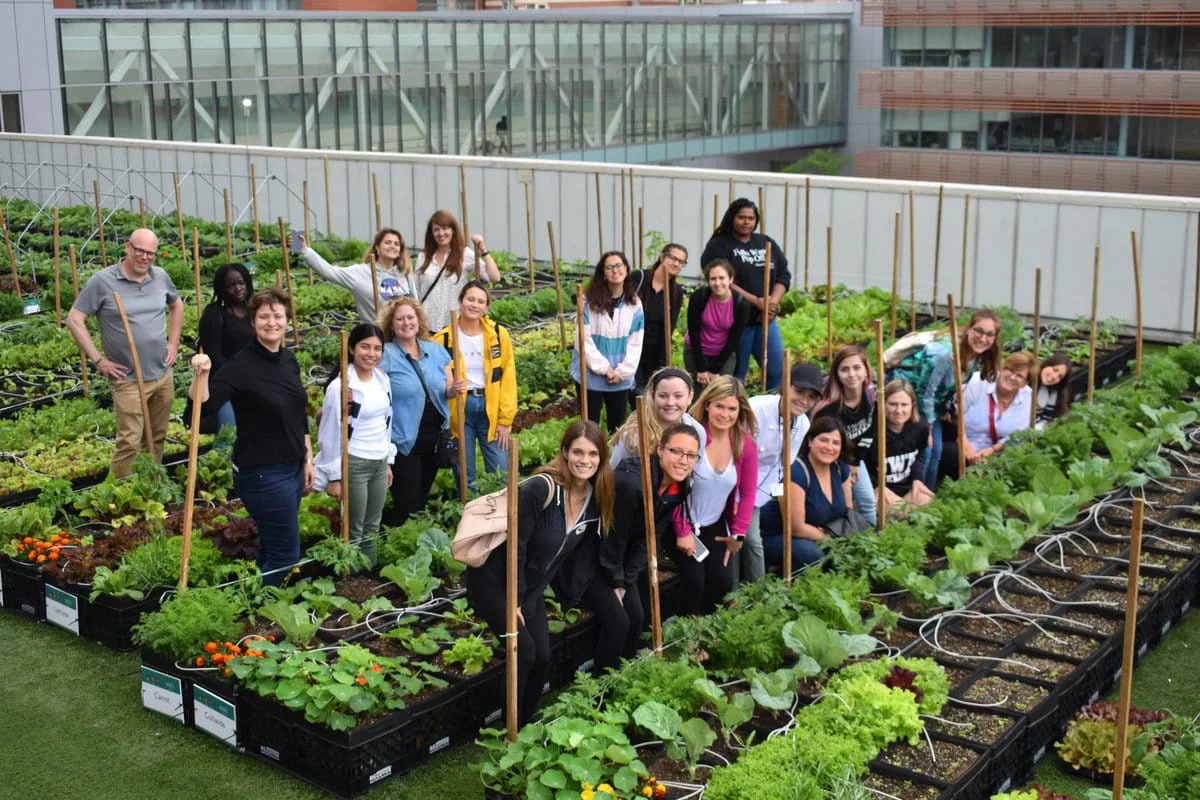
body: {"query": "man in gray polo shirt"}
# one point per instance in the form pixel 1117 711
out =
pixel 147 292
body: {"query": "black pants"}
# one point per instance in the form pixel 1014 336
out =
pixel 948 464
pixel 413 474
pixel 533 638
pixel 707 582
pixel 621 623
pixel 616 402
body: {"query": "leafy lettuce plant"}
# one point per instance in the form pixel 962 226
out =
pixel 683 739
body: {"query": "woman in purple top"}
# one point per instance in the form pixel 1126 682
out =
pixel 716 318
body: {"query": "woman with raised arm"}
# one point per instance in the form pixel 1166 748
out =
pixel 393 272
pixel 371 448
pixel 648 283
pixel 613 330
pixel 716 318
pixel 446 264
pixel 907 439
pixel 225 326
pixel 568 503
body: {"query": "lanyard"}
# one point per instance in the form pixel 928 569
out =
pixel 992 418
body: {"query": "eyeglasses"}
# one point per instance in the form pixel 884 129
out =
pixel 684 454
pixel 982 333
pixel 674 259
pixel 614 267
pixel 137 251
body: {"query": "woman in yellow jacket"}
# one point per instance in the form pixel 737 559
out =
pixel 487 379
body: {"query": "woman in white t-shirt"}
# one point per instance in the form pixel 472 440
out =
pixel 446 264
pixel 371 447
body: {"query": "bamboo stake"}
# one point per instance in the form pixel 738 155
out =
pixel 1196 301
pixel 196 267
pixel 785 459
pixel 374 282
pixel 287 269
pixel 599 215
pixel 307 233
pixel 1037 343
pixel 278 279
pixel 199 389
pixel 762 213
pixel 528 234
pixel 344 431
pixel 962 280
pixel 829 295
pixel 937 252
pixel 510 593
pixel 766 312
pixel 631 206
pixel 142 210
pixel 83 362
pixel 57 271
pixel 12 259
pixel 137 373
pixel 880 432
pixel 912 262
pixel 624 219
pixel 641 251
pixel 717 216
pixel 1091 394
pixel 807 217
pixel 643 422
pixel 328 205
pixel 100 223
pixel 787 194
pixel 179 218
pixel 1137 294
pixel 960 436
pixel 478 263
pixel 730 198
pixel 562 325
pixel 459 400
pixel 1128 652
pixel 666 312
pixel 895 272
pixel 254 206
pixel 462 200
pixel 378 208
pixel 229 231
pixel 579 334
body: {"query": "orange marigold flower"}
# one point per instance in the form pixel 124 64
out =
pixel 376 668
pixel 211 647
pixel 200 661
pixel 361 680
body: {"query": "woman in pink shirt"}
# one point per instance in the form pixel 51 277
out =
pixel 722 499
pixel 716 317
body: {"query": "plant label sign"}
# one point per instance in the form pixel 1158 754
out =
pixel 162 693
pixel 214 715
pixel 62 609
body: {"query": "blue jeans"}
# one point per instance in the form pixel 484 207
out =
pixel 863 494
pixel 475 430
pixel 933 455
pixel 225 417
pixel 804 551
pixel 752 342
pixel 271 494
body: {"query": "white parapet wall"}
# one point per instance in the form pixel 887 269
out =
pixel 1010 231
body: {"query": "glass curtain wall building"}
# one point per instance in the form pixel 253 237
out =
pixel 600 86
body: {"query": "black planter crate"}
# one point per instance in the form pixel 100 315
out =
pixel 111 619
pixel 484 697
pixel 24 589
pixel 571 650
pixel 166 666
pixel 348 763
pixel 67 605
pixel 1110 366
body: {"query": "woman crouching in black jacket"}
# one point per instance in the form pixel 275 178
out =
pixel 567 503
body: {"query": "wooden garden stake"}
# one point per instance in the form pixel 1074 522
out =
pixel 137 373
pixel 462 200
pixel 142 210
pixel 459 400
pixel 787 193
pixel 1092 334
pixel 641 238
pixel 912 262
pixel 600 214
pixel 196 268
pixel 960 436
pixel 328 205
pixel 766 312
pixel 307 233
pixel 254 207
pixel 100 222
pixel 374 282
pixel 1196 301
pixel 730 198
pixel 962 280
pixel 1137 295
pixel 378 209
pixel 631 202
pixel 717 216
pixel 666 310
pixel 229 231
pixel 287 269
pixel 624 219
pixel 83 362
pixel 1037 342
pixel 937 252
pixel 807 217
pixel 278 279
pixel 880 431
pixel 199 389
pixel 785 458
pixel 762 211
pixel 57 271
pixel 562 325
pixel 829 294
pixel 479 263
pixel 643 421
pixel 579 334
pixel 12 259
pixel 895 272
pixel 344 430
pixel 528 234
pixel 1128 651
pixel 510 593
pixel 179 218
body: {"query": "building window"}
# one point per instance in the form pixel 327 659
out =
pixel 10 113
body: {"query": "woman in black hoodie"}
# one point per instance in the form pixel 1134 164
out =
pixel 567 503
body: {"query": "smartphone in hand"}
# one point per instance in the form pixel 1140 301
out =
pixel 701 551
pixel 296 245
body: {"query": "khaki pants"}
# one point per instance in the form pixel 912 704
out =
pixel 128 406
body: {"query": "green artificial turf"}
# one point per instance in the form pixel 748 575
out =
pixel 1164 680
pixel 72 727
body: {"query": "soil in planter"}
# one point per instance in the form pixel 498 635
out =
pixel 896 637
pixel 1188 522
pixel 1029 603
pixel 1146 583
pixel 1180 543
pixel 1045 669
pixel 1057 586
pixel 1064 644
pixel 994 628
pixel 978 726
pixel 1111 599
pixel 1164 560
pixel 960 648
pixel 1001 692
pixel 360 587
pixel 957 674
pixel 908 608
pixel 666 769
pixel 1088 622
pixel 1125 514
pixel 946 762
pixel 568 407
pixel 454 670
pixel 1163 500
pixel 899 787
pixel 1106 549
pixel 1074 564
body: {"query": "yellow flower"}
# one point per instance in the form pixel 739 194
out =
pixel 647 791
pixel 587 794
pixel 604 787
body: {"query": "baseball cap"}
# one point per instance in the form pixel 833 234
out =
pixel 806 376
